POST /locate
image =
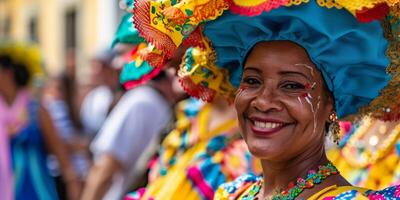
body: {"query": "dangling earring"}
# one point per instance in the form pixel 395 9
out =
pixel 334 127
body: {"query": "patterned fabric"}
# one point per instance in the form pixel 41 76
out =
pixel 225 37
pixel 194 161
pixel 373 166
pixel 135 71
pixel 240 188
pixel 31 176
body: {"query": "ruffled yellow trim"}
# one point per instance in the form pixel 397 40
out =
pixel 200 66
pixel 351 5
pixel 356 5
pixel 329 4
pixel 392 2
pixel 296 2
pixel 195 11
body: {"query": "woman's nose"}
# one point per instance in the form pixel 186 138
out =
pixel 267 100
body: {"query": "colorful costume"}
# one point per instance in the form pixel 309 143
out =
pixel 194 161
pixel 366 158
pixel 247 185
pixel 357 55
pixel 29 156
pixel 20 121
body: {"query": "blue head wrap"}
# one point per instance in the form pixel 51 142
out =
pixel 349 54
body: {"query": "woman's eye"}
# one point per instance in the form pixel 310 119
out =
pixel 251 81
pixel 293 86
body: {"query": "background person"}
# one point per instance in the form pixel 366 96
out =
pixel 29 127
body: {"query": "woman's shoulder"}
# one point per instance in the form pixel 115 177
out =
pixel 351 192
pixel 238 187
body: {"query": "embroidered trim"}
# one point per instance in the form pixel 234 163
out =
pixel 143 21
pixel 387 106
pixel 329 4
pixel 201 78
pixel 296 2
pixel 267 6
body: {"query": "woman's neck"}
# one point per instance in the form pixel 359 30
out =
pixel 277 175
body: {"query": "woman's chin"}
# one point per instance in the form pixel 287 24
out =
pixel 263 151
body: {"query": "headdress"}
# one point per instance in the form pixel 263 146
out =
pixel 136 71
pixel 354 43
pixel 27 55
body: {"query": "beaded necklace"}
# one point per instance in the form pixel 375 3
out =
pixel 295 188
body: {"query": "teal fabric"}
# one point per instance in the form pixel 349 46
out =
pixel 132 72
pixel 350 54
pixel 31 175
pixel 126 32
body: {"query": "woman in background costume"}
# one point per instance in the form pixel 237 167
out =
pixel 28 127
pixel 204 149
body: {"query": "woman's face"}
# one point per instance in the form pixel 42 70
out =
pixel 282 103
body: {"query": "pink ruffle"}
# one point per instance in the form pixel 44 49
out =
pixel 267 6
pixel 196 176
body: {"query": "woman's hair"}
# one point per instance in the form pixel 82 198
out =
pixel 20 71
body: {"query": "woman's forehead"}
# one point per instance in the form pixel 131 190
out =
pixel 280 56
pixel 281 49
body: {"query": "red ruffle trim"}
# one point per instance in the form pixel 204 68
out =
pixel 267 6
pixel 154 59
pixel 196 90
pixel 152 35
pixel 135 83
pixel 195 39
pixel 378 12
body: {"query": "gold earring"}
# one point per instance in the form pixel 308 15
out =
pixel 334 127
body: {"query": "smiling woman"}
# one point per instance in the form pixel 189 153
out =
pixel 277 108
pixel 298 68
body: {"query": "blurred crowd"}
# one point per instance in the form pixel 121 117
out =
pixel 101 141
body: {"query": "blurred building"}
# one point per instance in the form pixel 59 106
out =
pixel 68 31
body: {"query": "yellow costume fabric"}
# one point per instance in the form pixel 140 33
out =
pixel 373 166
pixel 193 160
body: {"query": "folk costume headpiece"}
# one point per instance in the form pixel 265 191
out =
pixel 136 71
pixel 25 55
pixel 355 44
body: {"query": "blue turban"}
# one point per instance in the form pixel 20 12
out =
pixel 349 54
